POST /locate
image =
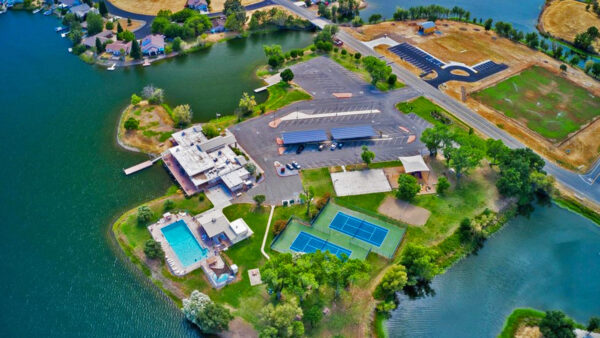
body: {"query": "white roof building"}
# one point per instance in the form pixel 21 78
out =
pixel 413 164
pixel 215 224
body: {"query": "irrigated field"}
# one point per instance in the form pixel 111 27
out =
pixel 548 104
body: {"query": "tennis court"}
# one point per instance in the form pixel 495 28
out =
pixel 308 243
pixel 356 227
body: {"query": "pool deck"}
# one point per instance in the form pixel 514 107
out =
pixel 171 257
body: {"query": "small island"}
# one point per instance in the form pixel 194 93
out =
pixel 572 21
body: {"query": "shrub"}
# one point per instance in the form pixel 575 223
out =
pixel 152 249
pixel 344 52
pixel 135 100
pixel 144 214
pixel 442 185
pixel 408 187
pixel 168 205
pixel 357 56
pixel 131 124
pixel 392 79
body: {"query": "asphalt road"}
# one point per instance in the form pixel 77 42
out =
pixel 578 183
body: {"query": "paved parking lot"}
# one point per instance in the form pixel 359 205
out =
pixel 322 77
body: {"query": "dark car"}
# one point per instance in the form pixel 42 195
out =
pixel 289 166
pixel 321 147
pixel 333 146
pixel 300 149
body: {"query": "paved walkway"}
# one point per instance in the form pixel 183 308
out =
pixel 381 41
pixel 262 248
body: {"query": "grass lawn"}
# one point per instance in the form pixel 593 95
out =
pixel 422 107
pixel 282 94
pixel 549 104
pixel 519 317
pixel 319 179
pixel 356 66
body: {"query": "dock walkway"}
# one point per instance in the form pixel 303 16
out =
pixel 140 166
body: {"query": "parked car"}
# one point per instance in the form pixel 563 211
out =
pixel 337 42
pixel 340 145
pixel 289 166
pixel 333 146
pixel 321 147
pixel 300 149
pixel 296 165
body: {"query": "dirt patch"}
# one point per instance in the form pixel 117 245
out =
pixel 392 175
pixel 404 211
pixel 149 7
pixel 528 332
pixel 217 5
pixel 135 25
pixel 566 18
pixel 155 128
pixel 459 72
pixel 239 328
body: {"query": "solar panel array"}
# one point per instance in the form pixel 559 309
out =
pixel 347 133
pixel 416 56
pixel 304 136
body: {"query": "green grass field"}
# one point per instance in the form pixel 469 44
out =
pixel 320 228
pixel 550 105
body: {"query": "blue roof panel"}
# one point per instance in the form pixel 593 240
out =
pixel 304 136
pixel 427 24
pixel 352 132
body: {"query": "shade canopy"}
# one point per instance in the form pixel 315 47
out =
pixel 413 164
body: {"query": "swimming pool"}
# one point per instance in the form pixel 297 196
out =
pixel 185 245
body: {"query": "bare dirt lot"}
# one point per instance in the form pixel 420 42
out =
pixel 566 18
pixel 217 5
pixel 155 128
pixel 471 44
pixel 149 7
pixel 135 25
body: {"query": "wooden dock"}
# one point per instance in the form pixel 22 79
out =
pixel 140 166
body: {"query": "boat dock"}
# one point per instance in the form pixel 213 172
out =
pixel 140 166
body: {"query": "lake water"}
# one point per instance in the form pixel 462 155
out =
pixel 521 14
pixel 62 183
pixel 548 261
pixel 62 186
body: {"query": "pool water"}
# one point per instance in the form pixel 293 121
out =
pixel 185 245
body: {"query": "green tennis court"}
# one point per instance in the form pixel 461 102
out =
pixel 321 228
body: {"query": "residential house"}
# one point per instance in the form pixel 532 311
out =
pixel 218 24
pixel 103 36
pixel 116 47
pixel 80 11
pixel 217 229
pixel 153 45
pixel 199 5
pixel 427 27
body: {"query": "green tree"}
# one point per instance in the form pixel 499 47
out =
pixel 109 25
pixel 160 24
pixel 152 249
pixel 532 40
pixel 102 8
pixel 168 205
pixel 280 320
pixel 136 50
pixel 563 67
pixel 377 68
pixel 392 281
pixel 326 34
pixel 465 230
pixel 135 100
pixel 153 95
pixel 177 44
pixel 313 315
pixel 488 24
pixel 119 28
pixel 131 124
pixel 408 187
pixel 367 155
pixel 420 263
pixel 287 75
pixel 211 318
pixel 495 149
pixel 144 214
pixel 75 35
pixel 556 325
pixel 259 200
pixel 375 18
pixel 182 114
pixel 442 185
pixel 391 80
pixel 247 103
pixel 465 158
pixel 307 195
pixel 593 324
pixel 94 23
pixel 99 46
pixel 210 130
pixel 435 137
pixel 234 24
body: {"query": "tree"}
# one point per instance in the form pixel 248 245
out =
pixel 168 205
pixel 488 24
pixel 109 25
pixel 153 95
pixel 367 155
pixel 420 263
pixel 126 36
pixel 465 230
pixel 99 46
pixel 211 318
pixel 442 185
pixel 593 324
pixel 131 124
pixel 495 149
pixel 135 100
pixel 532 40
pixel 210 130
pixel 435 137
pixel 326 34
pixel 357 56
pixel 102 8
pixel 596 69
pixel 94 23
pixel 259 199
pixel 464 158
pixel 119 28
pixel 393 281
pixel 247 103
pixel 75 35
pixel 152 249
pixel 408 187
pixel 287 75
pixel 593 32
pixel 307 195
pixel 144 214
pixel 556 325
pixel 160 24
pixel 313 315
pixel 182 115
pixel 391 80
pixel 280 320
pixel 563 67
pixel 375 18
pixel 177 44
pixel 377 68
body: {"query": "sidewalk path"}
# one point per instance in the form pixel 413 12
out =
pixel 262 248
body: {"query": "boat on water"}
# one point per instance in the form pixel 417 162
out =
pixel 64 34
pixel 3 11
pixel 112 67
pixel 48 12
pixel 35 11
pixel 70 50
pixel 59 29
pixel 146 63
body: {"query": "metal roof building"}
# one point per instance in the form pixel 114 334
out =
pixel 304 136
pixel 348 133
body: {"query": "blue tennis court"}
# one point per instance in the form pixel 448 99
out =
pixel 308 243
pixel 358 228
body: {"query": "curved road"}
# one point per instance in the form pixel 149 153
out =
pixel 586 186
